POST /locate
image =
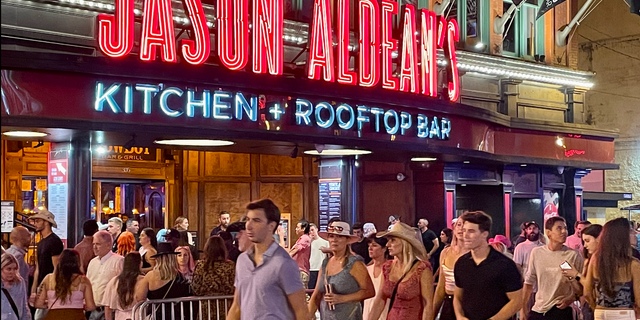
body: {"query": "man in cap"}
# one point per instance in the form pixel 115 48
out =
pixel 393 219
pixel 48 250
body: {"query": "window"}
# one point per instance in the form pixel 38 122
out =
pixel 472 17
pixel 523 35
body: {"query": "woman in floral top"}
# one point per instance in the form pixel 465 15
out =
pixel 214 276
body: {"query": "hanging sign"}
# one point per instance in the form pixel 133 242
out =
pixel 414 53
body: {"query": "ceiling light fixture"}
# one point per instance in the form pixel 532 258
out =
pixel 337 152
pixel 466 162
pixel 195 142
pixel 25 134
pixel 423 159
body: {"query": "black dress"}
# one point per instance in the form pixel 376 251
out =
pixel 145 263
pixel 173 289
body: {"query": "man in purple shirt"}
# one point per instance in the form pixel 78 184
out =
pixel 301 251
pixel 265 285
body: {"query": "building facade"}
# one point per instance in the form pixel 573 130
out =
pixel 493 115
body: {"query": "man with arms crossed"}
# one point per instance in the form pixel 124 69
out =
pixel 555 293
pixel 266 287
pixel 488 284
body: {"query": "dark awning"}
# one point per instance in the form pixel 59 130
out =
pixel 604 199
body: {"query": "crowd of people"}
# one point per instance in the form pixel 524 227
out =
pixel 348 272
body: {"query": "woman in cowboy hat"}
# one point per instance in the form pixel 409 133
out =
pixel 407 279
pixel 443 297
pixel 343 281
pixel 164 282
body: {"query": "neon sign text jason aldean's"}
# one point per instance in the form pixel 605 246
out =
pixel 224 105
pixel 416 61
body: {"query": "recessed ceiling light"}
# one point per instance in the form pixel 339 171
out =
pixel 422 159
pixel 466 162
pixel 25 134
pixel 523 165
pixel 195 142
pixel 337 152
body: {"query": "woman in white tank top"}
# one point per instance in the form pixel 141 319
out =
pixel 443 297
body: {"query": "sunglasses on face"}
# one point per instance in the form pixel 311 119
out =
pixel 334 229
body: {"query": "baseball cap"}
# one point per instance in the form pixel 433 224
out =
pixel 527 224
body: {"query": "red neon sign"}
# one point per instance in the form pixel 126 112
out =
pixel 321 47
pixel 344 75
pixel 158 31
pixel 116 32
pixel 268 49
pixel 378 56
pixel 233 47
pixel 388 44
pixel 409 55
pixel 369 40
pixel 196 51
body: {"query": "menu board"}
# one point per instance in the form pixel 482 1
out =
pixel 7 215
pixel 329 200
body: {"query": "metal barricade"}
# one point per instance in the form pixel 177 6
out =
pixel 188 308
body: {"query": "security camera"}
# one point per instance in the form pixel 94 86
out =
pixel 560 169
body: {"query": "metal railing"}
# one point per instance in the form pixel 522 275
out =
pixel 196 308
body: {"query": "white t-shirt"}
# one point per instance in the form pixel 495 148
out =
pixel 544 269
pixel 522 252
pixel 315 260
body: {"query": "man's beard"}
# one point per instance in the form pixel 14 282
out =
pixel 533 236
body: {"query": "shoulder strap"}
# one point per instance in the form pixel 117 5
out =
pixel 395 289
pixel 13 304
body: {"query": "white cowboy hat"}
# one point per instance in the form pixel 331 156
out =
pixel 409 234
pixel 340 228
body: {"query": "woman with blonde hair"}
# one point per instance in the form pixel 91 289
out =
pixel 182 224
pixel 407 279
pixel 14 290
pixel 443 297
pixel 164 282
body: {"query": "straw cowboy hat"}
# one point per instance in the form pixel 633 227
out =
pixel 409 234
pixel 45 215
pixel 340 228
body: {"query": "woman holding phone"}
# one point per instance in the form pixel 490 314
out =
pixel 612 282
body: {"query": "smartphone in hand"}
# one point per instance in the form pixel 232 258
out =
pixel 565 266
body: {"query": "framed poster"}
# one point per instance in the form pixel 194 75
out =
pixel 285 222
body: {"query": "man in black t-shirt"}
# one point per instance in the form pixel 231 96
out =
pixel 48 249
pixel 488 283
pixel 361 247
pixel 429 239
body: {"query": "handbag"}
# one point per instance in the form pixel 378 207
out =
pixel 395 289
pixel 13 304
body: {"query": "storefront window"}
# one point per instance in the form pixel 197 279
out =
pixel 523 35
pixel 474 27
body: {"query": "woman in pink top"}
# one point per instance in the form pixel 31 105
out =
pixel 66 292
pixel 407 280
pixel 119 293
